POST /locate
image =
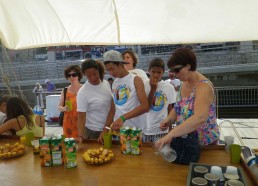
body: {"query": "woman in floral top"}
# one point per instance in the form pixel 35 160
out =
pixel 195 109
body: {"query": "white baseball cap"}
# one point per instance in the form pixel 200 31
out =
pixel 113 56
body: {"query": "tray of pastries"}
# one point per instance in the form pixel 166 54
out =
pixel 8 151
pixel 98 156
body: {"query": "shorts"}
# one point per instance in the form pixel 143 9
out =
pixel 91 134
pixel 152 138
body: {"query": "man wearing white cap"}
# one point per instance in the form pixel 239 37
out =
pixel 50 86
pixel 128 94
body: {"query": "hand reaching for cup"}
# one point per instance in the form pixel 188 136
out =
pixel 165 124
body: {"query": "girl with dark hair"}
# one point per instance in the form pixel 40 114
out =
pixel 94 100
pixel 73 74
pixel 20 119
pixel 195 107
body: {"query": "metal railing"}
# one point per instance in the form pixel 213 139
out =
pixel 227 97
pixel 237 96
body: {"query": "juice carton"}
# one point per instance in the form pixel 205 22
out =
pixel 125 140
pixel 56 149
pixel 70 159
pixel 45 152
pixel 136 141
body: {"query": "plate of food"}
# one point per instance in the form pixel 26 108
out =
pixel 8 151
pixel 98 156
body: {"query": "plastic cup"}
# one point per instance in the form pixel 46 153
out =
pixel 69 105
pixel 155 147
pixel 23 140
pixel 28 138
pixel 107 140
pixel 35 145
pixel 235 152
pixel 228 141
pixel 168 153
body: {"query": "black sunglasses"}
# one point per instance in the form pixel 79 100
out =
pixel 177 69
pixel 72 75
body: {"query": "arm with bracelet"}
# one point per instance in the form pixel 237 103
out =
pixel 137 111
pixel 109 121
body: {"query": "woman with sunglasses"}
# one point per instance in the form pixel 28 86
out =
pixel 73 74
pixel 195 109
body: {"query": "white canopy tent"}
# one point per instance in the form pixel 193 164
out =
pixel 39 23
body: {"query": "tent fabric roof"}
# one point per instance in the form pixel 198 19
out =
pixel 39 23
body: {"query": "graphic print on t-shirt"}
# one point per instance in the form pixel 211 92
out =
pixel 121 94
pixel 158 101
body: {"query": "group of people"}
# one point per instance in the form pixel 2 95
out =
pixel 135 100
pixel 131 100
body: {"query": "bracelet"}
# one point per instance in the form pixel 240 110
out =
pixel 122 118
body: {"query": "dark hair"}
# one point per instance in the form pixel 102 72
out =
pixel 75 68
pixel 131 53
pixel 15 107
pixel 110 79
pixel 157 62
pixel 91 63
pixel 4 98
pixel 183 56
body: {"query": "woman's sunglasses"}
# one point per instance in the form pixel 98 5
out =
pixel 72 75
pixel 176 69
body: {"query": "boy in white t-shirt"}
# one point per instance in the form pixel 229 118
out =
pixel 161 97
pixel 128 94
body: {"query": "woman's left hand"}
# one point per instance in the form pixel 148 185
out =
pixel 165 140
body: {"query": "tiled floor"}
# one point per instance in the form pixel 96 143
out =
pixel 239 128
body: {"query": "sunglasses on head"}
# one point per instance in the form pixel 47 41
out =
pixel 176 69
pixel 72 75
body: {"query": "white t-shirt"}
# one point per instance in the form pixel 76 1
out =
pixel 164 95
pixel 140 73
pixel 95 100
pixel 2 117
pixel 126 99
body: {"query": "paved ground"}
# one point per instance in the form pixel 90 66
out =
pixel 239 128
